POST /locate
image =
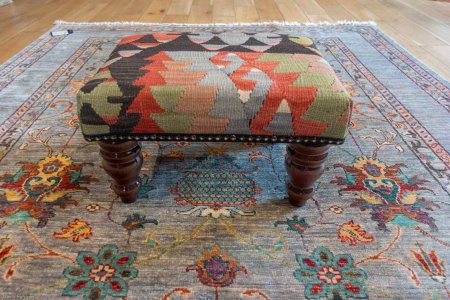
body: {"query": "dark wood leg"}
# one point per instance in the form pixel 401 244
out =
pixel 304 165
pixel 123 161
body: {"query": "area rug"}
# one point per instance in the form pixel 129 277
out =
pixel 377 227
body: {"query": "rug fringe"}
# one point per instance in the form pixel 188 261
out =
pixel 280 23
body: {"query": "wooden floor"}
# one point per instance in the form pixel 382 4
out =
pixel 421 26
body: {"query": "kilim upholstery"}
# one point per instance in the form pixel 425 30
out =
pixel 220 85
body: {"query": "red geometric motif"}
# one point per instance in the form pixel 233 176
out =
pixel 144 103
pixel 299 98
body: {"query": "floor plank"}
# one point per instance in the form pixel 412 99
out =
pixel 201 12
pixel 156 11
pixel 176 19
pixel 268 10
pixel 180 7
pixel 246 11
pixel 336 11
pixel 223 11
pixel 290 11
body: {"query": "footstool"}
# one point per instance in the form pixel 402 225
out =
pixel 209 86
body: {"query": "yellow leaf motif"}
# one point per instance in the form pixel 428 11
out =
pixel 13 195
pixel 352 232
pixel 409 197
pixel 75 230
pixel 372 199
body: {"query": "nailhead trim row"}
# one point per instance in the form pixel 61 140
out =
pixel 218 138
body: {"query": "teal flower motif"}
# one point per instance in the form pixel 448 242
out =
pixel 294 224
pixel 98 275
pixel 331 277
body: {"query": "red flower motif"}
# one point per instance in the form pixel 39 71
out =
pixel 431 264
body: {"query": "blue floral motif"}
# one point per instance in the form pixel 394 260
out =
pixel 331 277
pixel 98 275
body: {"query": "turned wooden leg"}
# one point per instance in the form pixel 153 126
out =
pixel 123 161
pixel 304 165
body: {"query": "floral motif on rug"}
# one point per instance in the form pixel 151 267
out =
pixel 388 192
pixel 36 189
pixel 330 276
pixel 216 268
pixel 97 275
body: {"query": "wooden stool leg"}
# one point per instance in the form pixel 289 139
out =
pixel 304 165
pixel 123 161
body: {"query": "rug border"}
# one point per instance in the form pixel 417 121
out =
pixel 414 58
pixel 10 60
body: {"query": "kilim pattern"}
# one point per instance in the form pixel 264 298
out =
pixel 208 83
